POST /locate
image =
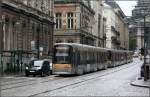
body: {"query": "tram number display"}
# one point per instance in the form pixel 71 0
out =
pixel 62 51
pixel 62 48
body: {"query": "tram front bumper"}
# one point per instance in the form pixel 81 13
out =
pixel 63 73
pixel 62 69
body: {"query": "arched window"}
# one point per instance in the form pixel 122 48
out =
pixel 7 19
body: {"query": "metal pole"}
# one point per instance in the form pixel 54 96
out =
pixel 1 30
pixel 145 72
pixel 38 42
pixel 1 39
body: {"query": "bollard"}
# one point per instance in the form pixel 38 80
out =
pixel 146 73
pixel 147 69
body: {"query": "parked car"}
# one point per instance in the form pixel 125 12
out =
pixel 39 67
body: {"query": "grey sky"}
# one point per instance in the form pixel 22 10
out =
pixel 127 6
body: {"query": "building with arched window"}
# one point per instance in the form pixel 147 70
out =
pixel 74 22
pixel 27 31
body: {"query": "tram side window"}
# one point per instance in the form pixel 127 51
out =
pixel 82 57
pixel 112 56
pixel 109 55
pixel 99 57
pixel 78 57
pixel 102 57
pixel 116 56
pixel 85 57
pixel 88 59
pixel 95 61
pixel 119 57
pixel 105 57
pixel 92 57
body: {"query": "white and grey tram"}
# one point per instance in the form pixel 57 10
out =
pixel 72 58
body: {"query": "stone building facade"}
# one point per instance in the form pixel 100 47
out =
pixel 74 20
pixel 99 26
pixel 141 9
pixel 27 32
pixel 116 28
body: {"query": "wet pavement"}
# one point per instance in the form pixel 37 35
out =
pixel 111 82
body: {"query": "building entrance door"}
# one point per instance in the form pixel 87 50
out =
pixel 16 61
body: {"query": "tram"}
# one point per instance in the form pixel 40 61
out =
pixel 73 58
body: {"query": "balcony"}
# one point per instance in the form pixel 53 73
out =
pixel 115 40
pixel 118 33
pixel 25 9
pixel 114 30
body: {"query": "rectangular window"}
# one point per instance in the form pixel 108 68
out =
pixel 70 20
pixel 58 20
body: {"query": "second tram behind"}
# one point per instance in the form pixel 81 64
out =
pixel 72 58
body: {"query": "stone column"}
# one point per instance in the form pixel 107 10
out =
pixel 1 39
pixel 1 27
pixel 3 30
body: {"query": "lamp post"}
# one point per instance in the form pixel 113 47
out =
pixel 145 49
pixel 146 69
pixel 145 42
pixel 145 75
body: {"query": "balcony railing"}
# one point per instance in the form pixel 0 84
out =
pixel 115 40
pixel 114 30
pixel 27 9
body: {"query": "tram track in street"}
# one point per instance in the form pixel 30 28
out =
pixel 86 80
pixel 7 79
pixel 4 84
pixel 28 84
pixel 69 81
pixel 23 80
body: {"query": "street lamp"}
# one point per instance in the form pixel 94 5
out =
pixel 146 75
pixel 144 26
pixel 143 20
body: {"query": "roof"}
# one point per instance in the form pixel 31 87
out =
pixel 88 46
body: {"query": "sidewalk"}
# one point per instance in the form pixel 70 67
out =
pixel 139 82
pixel 21 74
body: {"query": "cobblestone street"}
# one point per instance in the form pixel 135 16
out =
pixel 110 82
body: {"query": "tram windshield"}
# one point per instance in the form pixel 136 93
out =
pixel 62 55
